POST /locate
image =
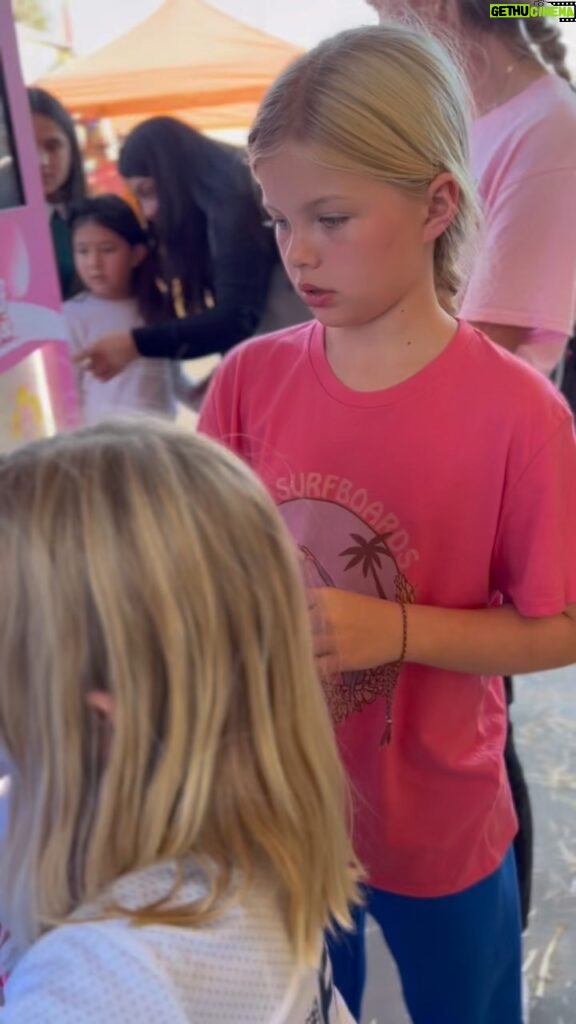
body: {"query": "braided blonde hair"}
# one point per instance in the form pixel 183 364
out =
pixel 545 35
pixel 521 34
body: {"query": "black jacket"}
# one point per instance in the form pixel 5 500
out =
pixel 241 261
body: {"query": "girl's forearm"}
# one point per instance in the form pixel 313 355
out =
pixel 489 640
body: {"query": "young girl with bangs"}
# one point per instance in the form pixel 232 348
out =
pixel 429 480
pixel 173 771
pixel 118 270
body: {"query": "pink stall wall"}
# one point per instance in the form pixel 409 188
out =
pixel 30 306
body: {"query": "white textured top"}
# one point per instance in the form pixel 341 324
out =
pixel 145 386
pixel 239 970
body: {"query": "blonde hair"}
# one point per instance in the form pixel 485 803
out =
pixel 383 101
pixel 151 564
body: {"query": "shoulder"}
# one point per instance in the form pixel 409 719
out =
pixel 101 315
pixel 546 133
pixel 287 342
pixel 510 389
pixel 78 305
pixel 532 136
pixel 75 966
pixel 267 354
pixel 78 315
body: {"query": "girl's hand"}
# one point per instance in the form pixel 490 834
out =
pixel 353 631
pixel 108 356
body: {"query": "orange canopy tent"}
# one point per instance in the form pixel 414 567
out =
pixel 186 59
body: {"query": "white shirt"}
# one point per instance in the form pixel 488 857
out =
pixel 145 386
pixel 239 970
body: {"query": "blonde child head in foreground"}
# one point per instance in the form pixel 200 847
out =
pixel 158 697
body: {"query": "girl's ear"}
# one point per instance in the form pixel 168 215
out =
pixel 442 199
pixel 139 254
pixel 99 700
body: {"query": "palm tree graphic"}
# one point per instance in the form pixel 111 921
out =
pixel 369 553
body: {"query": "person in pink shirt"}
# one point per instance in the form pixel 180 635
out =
pixel 429 480
pixel 522 286
pixel 521 289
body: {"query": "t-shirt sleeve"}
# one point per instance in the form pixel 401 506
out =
pixel 77 974
pixel 77 339
pixel 73 325
pixel 220 415
pixel 534 564
pixel 242 264
pixel 525 271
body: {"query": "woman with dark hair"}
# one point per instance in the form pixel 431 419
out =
pixel 219 260
pixel 62 175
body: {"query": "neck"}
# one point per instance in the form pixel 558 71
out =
pixel 116 297
pixel 392 348
pixel 496 72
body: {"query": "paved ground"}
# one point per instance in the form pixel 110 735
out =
pixel 545 717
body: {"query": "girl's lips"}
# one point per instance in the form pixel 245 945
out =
pixel 316 298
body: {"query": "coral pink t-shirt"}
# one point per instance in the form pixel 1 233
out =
pixel 523 157
pixel 455 488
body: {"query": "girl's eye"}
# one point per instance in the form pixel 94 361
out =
pixel 332 222
pixel 276 222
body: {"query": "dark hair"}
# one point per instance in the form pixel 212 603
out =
pixel 522 33
pixel 204 187
pixel 113 213
pixel 46 105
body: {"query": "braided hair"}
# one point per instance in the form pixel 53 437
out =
pixel 522 34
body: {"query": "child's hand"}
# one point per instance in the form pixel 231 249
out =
pixel 353 631
pixel 108 356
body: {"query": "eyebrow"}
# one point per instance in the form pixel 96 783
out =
pixel 314 203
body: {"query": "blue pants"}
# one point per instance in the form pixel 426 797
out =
pixel 459 956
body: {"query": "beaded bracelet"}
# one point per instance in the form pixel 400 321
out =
pixel 404 611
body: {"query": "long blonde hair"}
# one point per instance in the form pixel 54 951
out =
pixel 387 102
pixel 151 564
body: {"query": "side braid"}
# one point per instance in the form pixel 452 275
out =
pixel 547 38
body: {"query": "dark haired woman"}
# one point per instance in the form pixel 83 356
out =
pixel 62 175
pixel 218 257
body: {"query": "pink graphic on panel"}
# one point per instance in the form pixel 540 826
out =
pixel 37 384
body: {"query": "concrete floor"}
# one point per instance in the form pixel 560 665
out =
pixel 545 719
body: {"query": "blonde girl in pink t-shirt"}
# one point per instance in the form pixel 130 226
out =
pixel 401 446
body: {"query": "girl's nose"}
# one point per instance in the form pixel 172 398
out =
pixel 301 252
